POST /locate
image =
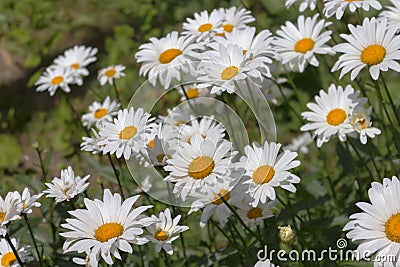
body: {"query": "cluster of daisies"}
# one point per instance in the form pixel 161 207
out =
pixel 70 69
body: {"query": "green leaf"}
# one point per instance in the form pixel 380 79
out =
pixel 10 151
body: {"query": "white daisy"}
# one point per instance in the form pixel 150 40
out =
pixel 392 14
pixel 28 201
pixel 264 263
pixel 105 227
pixel 91 144
pixel 221 69
pixel 300 143
pixel 166 58
pixel 338 7
pixel 10 210
pixel 235 18
pixel 177 116
pixel 377 226
pixel 7 256
pixel 257 46
pixel 110 73
pixel 210 199
pixel 77 59
pixel 198 164
pixel 164 232
pixel 124 136
pixel 192 91
pixel 161 146
pixel 297 46
pixel 360 119
pixel 330 116
pixel 203 26
pixel 312 4
pixel 67 187
pixel 265 170
pixel 100 112
pixel 256 215
pixel 373 44
pixel 207 128
pixel 54 78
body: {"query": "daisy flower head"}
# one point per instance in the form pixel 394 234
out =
pixel 338 7
pixel 164 232
pixel 105 226
pixel 330 115
pixel 28 201
pixel 7 256
pixel 77 59
pixel 211 201
pixel 256 215
pixel 124 136
pixel 110 73
pixel 360 119
pixel 10 210
pixel 192 91
pixel 377 226
pixel 392 14
pixel 198 164
pixel 204 25
pixel 297 46
pixel 54 78
pixel 91 144
pixel 258 46
pixel 161 145
pixel 300 143
pixel 207 127
pixel 67 187
pixel 235 18
pixel 265 170
pixel 265 263
pixel 179 115
pixel 222 68
pixel 372 44
pixel 167 58
pixel 100 112
pixel 312 4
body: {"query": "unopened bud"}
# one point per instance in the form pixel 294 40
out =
pixel 287 235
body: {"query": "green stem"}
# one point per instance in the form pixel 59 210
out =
pixel 8 239
pixel 390 98
pixel 378 90
pixel 116 172
pixel 116 91
pixel 141 256
pixel 166 260
pixel 42 167
pixel 33 239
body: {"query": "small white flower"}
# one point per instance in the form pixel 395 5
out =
pixel 91 144
pixel 161 144
pixel 28 201
pixel 192 91
pixel 67 187
pixel 105 227
pixel 312 4
pixel 235 18
pixel 373 45
pixel 300 143
pixel 124 136
pixel 265 170
pixel 10 210
pixel 338 7
pixel 265 263
pixel 297 46
pixel 361 121
pixel 207 127
pixel 110 73
pixel 100 112
pixel 179 115
pixel 54 78
pixel 7 256
pixel 164 232
pixel 203 26
pixel 392 14
pixel 77 59
pixel 256 215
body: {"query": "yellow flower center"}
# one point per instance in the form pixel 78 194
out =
pixel 2 216
pixel 336 116
pixel 151 143
pixel 373 54
pixel 161 235
pixel 263 174
pixel 229 72
pixel 127 133
pixel 100 113
pixel 57 80
pixel 392 228
pixel 160 158
pixel 192 92
pixel 225 195
pixel 228 27
pixel 75 66
pixel 205 27
pixel 107 231
pixel 168 55
pixel 110 73
pixel 304 45
pixel 8 259
pixel 254 213
pixel 201 167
